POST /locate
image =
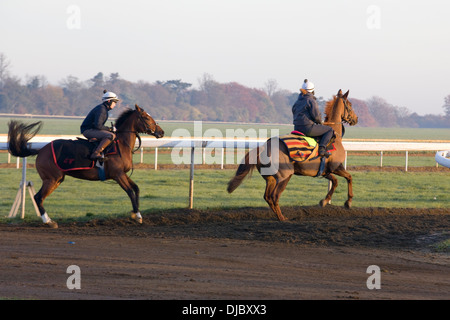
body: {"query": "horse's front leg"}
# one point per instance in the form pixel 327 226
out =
pixel 132 191
pixel 334 183
pixel 136 215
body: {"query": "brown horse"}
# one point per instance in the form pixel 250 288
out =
pixel 129 125
pixel 278 171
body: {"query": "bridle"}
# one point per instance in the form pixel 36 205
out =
pixel 344 117
pixel 147 129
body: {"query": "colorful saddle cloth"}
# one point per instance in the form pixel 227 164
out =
pixel 301 147
pixel 71 155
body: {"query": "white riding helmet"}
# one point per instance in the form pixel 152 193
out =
pixel 107 96
pixel 308 86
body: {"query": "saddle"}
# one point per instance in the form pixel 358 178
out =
pixel 302 148
pixel 71 155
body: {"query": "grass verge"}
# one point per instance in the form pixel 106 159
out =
pixel 168 189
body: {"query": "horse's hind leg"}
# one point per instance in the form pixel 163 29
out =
pixel 51 178
pixel 281 186
pixel 272 197
pixel 48 186
pixel 340 171
pixel 334 183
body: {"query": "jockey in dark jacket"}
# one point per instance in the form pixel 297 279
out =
pixel 93 125
pixel 307 117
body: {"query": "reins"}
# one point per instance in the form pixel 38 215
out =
pixel 327 122
pixel 137 136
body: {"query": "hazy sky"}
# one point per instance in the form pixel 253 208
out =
pixel 398 50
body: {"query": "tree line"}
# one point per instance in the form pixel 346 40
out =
pixel 178 100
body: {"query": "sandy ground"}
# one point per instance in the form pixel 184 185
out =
pixel 233 255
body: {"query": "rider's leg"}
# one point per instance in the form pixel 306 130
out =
pixel 105 138
pixel 325 133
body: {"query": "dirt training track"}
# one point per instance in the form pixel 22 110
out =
pixel 233 254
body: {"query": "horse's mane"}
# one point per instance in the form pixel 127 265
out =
pixel 329 107
pixel 123 117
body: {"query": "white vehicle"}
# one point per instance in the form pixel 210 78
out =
pixel 443 158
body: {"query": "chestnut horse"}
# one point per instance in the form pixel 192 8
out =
pixel 129 125
pixel 278 171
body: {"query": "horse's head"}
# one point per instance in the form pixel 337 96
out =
pixel 348 114
pixel 146 124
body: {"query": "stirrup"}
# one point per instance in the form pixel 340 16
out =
pixel 325 152
pixel 101 157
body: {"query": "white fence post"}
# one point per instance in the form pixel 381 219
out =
pixel 345 161
pixel 406 161
pixel 191 179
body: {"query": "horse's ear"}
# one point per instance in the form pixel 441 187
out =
pixel 339 93
pixel 137 107
pixel 346 94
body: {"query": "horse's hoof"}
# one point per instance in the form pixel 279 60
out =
pixel 282 218
pixel 323 203
pixel 52 224
pixel 137 217
pixel 348 204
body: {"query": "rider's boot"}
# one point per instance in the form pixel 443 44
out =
pixel 322 151
pixel 97 154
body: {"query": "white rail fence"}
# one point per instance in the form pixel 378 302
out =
pixel 191 144
pixel 240 144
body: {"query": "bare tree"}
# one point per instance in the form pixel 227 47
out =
pixel 270 87
pixel 382 111
pixel 446 106
pixel 4 68
pixel 206 82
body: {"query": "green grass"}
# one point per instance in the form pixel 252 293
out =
pixel 168 189
pixel 50 126
pixel 443 246
pixel 72 127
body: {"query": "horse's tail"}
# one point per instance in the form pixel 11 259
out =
pixel 18 136
pixel 247 165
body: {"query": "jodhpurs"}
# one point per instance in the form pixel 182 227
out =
pixel 99 134
pixel 317 130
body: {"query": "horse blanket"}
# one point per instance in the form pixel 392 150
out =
pixel 71 155
pixel 301 147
